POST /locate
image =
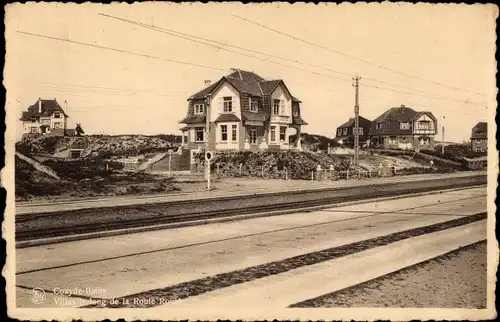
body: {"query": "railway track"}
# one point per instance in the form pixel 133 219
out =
pixel 84 222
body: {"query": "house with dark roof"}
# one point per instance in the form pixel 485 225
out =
pixel 403 128
pixel 245 112
pixel 345 132
pixel 479 137
pixel 45 116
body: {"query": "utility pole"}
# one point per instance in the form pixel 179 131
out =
pixel 356 119
pixel 442 140
pixel 208 99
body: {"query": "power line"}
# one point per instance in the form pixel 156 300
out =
pixel 158 58
pixel 93 91
pixel 177 34
pixel 116 50
pixel 218 47
pixel 104 87
pixel 356 58
pixel 182 35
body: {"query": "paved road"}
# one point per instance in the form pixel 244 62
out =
pixel 232 188
pixel 115 267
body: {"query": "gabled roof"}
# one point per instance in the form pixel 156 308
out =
pixel 351 122
pixel 48 108
pixel 480 131
pixel 244 82
pixel 391 120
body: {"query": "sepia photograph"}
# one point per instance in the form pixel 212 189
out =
pixel 250 161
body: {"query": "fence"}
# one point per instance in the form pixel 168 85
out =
pixel 222 170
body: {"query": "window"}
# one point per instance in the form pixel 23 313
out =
pixel 276 107
pixel 360 130
pixel 199 134
pixel 392 140
pixel 254 105
pixel 228 104
pixel 57 125
pixel 253 135
pixel 273 133
pixel 378 126
pixel 345 131
pixel 339 132
pixel 45 121
pixel 282 107
pixel 199 109
pixel 57 115
pixel 282 133
pixel 223 132
pixel 424 125
pixel 33 129
pixel 33 120
pixel 404 126
pixel 234 133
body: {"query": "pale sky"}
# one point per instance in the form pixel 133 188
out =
pixel 118 93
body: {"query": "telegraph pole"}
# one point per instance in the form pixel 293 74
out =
pixel 442 140
pixel 356 119
pixel 208 102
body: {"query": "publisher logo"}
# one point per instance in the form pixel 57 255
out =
pixel 37 295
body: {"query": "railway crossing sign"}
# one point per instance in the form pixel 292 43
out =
pixel 209 155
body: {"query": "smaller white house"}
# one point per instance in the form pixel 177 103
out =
pixel 45 117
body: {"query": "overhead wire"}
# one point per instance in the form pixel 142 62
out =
pixel 356 58
pixel 183 36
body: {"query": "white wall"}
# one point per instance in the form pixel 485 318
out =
pixel 217 106
pixel 229 144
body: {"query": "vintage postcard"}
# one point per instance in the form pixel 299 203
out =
pixel 233 161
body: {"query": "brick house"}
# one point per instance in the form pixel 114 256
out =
pixel 247 112
pixel 403 128
pixel 44 117
pixel 345 132
pixel 479 137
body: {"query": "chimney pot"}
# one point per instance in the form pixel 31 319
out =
pixel 208 82
pixel 39 105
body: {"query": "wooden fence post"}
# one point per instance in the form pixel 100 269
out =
pixel 240 168
pixel 312 176
pixel 347 174
pixel 262 171
pixel 286 174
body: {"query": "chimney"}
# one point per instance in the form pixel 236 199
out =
pixel 402 108
pixel 39 105
pixel 66 107
pixel 208 82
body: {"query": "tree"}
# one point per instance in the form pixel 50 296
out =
pixel 79 130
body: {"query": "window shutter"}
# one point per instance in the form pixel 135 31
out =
pixel 192 132
pixel 282 107
pixel 220 105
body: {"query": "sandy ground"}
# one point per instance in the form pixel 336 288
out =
pixel 454 280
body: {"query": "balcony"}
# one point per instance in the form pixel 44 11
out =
pixel 280 119
pixel 425 131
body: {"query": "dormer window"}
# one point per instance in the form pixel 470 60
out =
pixel 378 126
pixel 404 126
pixel 57 115
pixel 199 109
pixel 33 120
pixel 254 105
pixel 296 112
pixel 228 104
